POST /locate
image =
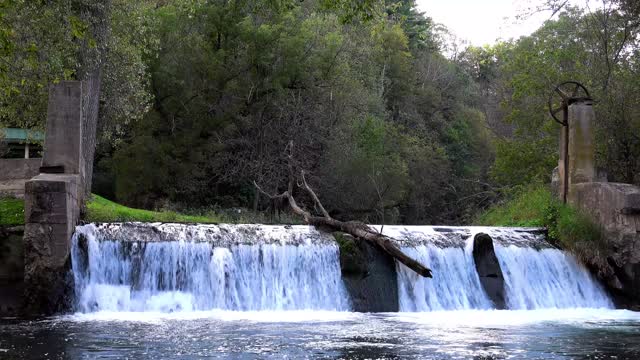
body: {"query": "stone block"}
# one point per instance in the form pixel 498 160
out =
pixel 51 199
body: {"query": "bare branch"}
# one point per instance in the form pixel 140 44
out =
pixel 314 196
pixel 280 196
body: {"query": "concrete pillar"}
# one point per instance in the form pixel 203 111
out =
pixel 581 146
pixel 63 139
pixel 582 157
pixel 26 150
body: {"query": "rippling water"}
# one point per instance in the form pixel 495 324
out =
pixel 537 334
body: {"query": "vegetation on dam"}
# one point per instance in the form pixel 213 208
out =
pixel 567 227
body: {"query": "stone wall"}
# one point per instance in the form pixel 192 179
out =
pixel 616 207
pixel 14 173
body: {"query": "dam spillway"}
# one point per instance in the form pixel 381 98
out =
pixel 194 273
pixel 181 267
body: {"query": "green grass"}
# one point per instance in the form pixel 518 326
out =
pixel 567 227
pixel 529 208
pixel 537 207
pixel 11 212
pixel 100 209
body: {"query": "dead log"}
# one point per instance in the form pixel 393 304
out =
pixel 357 229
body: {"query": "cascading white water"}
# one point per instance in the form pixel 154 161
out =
pixel 535 278
pixel 184 275
pixel 547 278
pixel 454 286
pixel 173 267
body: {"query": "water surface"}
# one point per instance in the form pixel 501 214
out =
pixel 473 334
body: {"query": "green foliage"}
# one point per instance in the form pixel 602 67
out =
pixel 596 48
pixel 522 161
pixel 11 211
pixel 366 161
pixel 535 206
pixel 200 98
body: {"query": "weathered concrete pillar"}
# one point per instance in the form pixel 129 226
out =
pixel 581 147
pixel 63 139
pixel 52 204
pixel 582 159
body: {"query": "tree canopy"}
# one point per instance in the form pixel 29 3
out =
pixel 200 98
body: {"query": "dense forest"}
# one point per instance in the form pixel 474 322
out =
pixel 393 119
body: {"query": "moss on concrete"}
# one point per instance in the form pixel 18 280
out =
pixel 352 259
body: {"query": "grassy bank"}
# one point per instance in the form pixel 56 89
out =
pixel 567 227
pixel 100 209
pixel 11 212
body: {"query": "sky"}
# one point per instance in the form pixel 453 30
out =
pixel 481 22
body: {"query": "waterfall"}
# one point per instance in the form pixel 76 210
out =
pixel 536 275
pixel 181 267
pixel 454 286
pixel 547 278
pixel 300 271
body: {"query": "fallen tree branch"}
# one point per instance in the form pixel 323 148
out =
pixel 357 229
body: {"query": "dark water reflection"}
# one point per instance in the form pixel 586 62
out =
pixel 593 334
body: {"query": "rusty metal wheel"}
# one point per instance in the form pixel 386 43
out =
pixel 562 96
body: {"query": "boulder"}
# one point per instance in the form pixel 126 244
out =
pixel 488 269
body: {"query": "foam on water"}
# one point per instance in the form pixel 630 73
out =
pixel 265 316
pixel 507 318
pixel 184 276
